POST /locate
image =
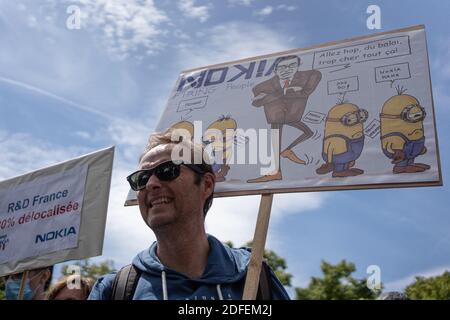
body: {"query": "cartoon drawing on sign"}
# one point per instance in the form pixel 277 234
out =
pixel 183 125
pixel 221 150
pixel 218 139
pixel 343 140
pixel 402 134
pixel 284 97
pixel 188 105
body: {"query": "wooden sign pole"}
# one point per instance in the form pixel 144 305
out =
pixel 22 285
pixel 259 242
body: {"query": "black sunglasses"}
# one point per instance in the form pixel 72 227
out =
pixel 166 171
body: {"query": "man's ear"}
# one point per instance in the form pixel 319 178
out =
pixel 210 181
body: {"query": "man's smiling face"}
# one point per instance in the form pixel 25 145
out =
pixel 164 203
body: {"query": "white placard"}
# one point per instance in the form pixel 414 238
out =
pixel 313 97
pixel 55 214
pixel 42 216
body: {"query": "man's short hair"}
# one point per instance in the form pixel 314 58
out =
pixel 157 139
pixel 280 59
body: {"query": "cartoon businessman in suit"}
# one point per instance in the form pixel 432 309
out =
pixel 284 98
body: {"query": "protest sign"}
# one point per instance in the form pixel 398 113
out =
pixel 351 114
pixel 55 214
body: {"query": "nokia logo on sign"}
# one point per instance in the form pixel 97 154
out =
pixel 52 235
pixel 3 242
pixel 216 76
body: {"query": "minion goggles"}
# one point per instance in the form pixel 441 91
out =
pixel 408 115
pixel 352 118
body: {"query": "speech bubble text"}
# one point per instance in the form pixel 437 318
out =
pixel 314 117
pixel 192 104
pixel 343 85
pixel 392 72
pixel 373 50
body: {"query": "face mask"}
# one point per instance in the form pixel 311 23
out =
pixel 12 290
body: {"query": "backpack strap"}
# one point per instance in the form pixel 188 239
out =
pixel 264 292
pixel 125 283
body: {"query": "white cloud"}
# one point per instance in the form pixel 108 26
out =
pixel 181 35
pixel 190 10
pixel 127 25
pixel 31 21
pixel 51 95
pixel 264 11
pixel 401 284
pixel 21 7
pixel 131 135
pixel 235 218
pixel 246 3
pixel 231 41
pixel 293 203
pixel 21 153
pixel 83 134
pixel 286 7
pixel 268 10
pixel 64 64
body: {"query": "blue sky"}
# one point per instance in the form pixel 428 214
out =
pixel 65 92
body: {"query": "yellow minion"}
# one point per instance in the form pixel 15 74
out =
pixel 402 134
pixel 221 149
pixel 343 140
pixel 183 129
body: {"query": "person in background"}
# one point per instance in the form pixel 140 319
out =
pixel 36 284
pixel 73 287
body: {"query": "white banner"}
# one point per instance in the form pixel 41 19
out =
pixel 42 216
pixel 349 114
pixel 55 214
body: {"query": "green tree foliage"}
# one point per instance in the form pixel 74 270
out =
pixel 2 288
pixel 432 288
pixel 336 284
pixel 91 270
pixel 277 264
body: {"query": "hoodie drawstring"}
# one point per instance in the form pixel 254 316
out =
pixel 219 292
pixel 164 286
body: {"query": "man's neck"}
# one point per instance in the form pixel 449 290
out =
pixel 184 252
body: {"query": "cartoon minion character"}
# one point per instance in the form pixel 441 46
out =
pixel 343 140
pixel 402 135
pixel 221 150
pixel 184 127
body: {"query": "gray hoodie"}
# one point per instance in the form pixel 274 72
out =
pixel 223 278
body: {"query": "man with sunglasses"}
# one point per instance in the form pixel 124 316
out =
pixel 184 263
